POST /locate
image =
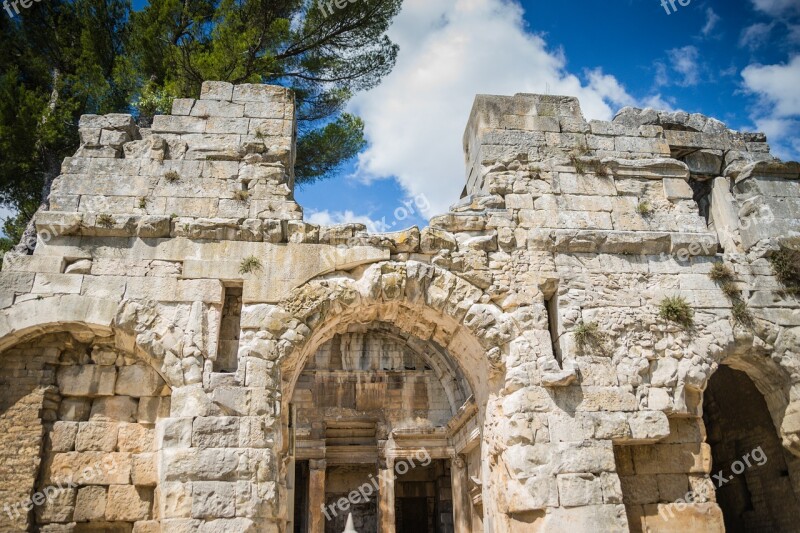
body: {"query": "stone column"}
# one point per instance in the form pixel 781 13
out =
pixel 462 514
pixel 386 517
pixel 316 496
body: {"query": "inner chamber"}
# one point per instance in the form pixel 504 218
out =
pixel 377 411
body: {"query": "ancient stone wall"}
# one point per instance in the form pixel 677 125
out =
pixel 569 311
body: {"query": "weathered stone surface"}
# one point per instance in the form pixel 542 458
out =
pixel 179 327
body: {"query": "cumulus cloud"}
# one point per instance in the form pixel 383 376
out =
pixel 331 218
pixel 451 50
pixel 777 112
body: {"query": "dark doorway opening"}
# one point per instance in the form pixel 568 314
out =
pixel 757 495
pixel 301 497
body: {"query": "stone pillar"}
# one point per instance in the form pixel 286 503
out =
pixel 386 517
pixel 462 514
pixel 316 496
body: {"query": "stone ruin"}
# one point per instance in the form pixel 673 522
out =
pixel 591 339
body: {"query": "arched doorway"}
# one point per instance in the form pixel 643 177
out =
pixel 372 414
pixel 757 481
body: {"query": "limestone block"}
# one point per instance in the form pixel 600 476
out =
pixel 677 189
pixel 96 436
pixel 217 108
pixel 62 436
pixel 86 380
pixel 92 468
pixel 192 401
pixel 129 503
pixel 590 456
pixel 648 426
pixel 174 433
pixel 178 124
pixel 140 380
pixel 177 500
pixel 227 125
pixel 199 465
pixel 74 409
pixel 151 408
pixel 49 283
pixel 106 287
pixel 577 490
pixel 705 517
pixel 588 518
pixel 90 503
pixel 135 438
pixel 215 432
pixel 213 500
pixel 687 458
pixel 182 106
pixel 639 489
pixel 57 506
pixel 216 90
pixel 115 408
pixel 143 470
pixel 147 526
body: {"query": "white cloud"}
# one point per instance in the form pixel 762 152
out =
pixel 794 33
pixel 451 50
pixel 712 19
pixel 330 218
pixel 685 61
pixel 778 110
pixel 777 8
pixel 756 35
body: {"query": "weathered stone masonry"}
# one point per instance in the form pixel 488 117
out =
pixel 214 363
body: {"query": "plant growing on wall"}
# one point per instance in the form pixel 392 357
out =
pixel 249 265
pixel 786 265
pixel 676 309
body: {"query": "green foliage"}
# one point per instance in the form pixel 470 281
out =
pixel 644 208
pixel 65 58
pixel 786 265
pixel 324 59
pixel 321 152
pixel 720 273
pixel 250 265
pixel 153 100
pixel 588 334
pixel 142 202
pixel 676 309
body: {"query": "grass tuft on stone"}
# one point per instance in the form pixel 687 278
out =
pixel 587 333
pixel 644 208
pixel 105 220
pixel 741 313
pixel 720 273
pixel 171 176
pixel 676 309
pixel 786 265
pixel 241 196
pixel 249 265
pixel 142 202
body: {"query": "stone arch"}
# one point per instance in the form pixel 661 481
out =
pixel 86 409
pixel 421 300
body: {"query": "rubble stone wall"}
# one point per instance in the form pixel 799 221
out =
pixel 543 288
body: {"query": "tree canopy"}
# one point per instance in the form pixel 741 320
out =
pixel 65 58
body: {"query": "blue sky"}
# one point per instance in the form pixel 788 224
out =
pixel 736 60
